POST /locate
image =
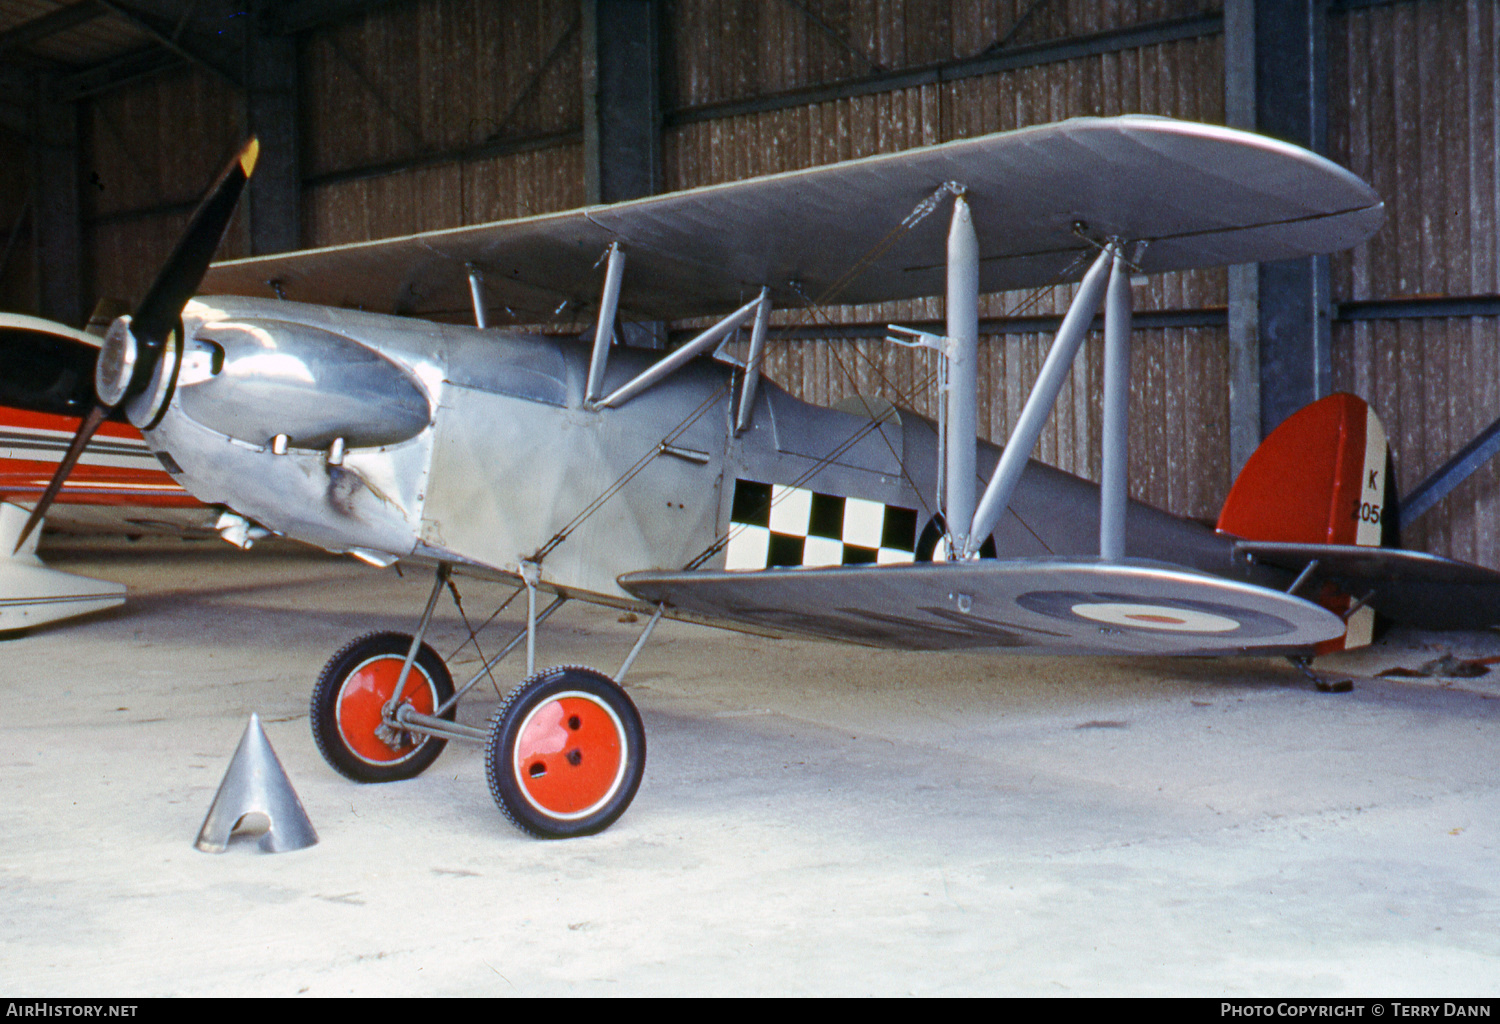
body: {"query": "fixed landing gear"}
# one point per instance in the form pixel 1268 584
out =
pixel 564 753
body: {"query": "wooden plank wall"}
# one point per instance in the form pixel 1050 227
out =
pixel 1414 91
pixel 405 82
pixel 736 49
pixel 428 78
pixel 154 145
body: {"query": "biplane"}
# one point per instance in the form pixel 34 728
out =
pixel 687 485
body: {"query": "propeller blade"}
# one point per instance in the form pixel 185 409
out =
pixel 86 429
pixel 134 345
pixel 178 279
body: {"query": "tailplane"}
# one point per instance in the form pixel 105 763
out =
pixel 1322 477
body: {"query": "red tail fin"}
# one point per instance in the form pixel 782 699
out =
pixel 1320 478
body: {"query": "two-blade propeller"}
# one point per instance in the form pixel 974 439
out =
pixel 140 352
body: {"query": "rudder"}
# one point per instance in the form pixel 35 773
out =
pixel 1323 476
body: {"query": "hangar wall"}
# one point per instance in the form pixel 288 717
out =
pixel 420 80
pixel 1413 93
pixel 150 150
pixel 422 114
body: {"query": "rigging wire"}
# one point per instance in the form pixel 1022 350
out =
pixel 474 633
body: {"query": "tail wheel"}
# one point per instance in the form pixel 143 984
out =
pixel 350 695
pixel 565 753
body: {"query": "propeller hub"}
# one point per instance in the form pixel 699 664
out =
pixel 117 361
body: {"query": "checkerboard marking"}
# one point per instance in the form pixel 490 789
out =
pixel 775 525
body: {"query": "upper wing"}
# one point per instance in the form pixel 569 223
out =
pixel 1053 605
pixel 1200 195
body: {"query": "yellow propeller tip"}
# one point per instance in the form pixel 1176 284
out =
pixel 249 155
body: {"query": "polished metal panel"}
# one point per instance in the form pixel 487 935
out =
pixel 307 382
pixel 1205 195
pixel 828 435
pixel 369 505
pixel 522 366
pixel 371 502
pixel 590 495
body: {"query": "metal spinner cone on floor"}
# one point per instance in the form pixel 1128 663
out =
pixel 255 783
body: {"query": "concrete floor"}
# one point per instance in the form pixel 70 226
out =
pixel 815 819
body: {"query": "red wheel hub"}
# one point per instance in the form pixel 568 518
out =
pixel 570 756
pixel 363 695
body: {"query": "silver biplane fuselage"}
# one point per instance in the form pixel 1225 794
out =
pixel 390 438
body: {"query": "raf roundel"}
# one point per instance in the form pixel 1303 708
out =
pixel 1151 616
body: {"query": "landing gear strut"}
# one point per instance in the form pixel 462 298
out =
pixel 564 753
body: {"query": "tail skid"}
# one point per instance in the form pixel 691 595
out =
pixel 31 594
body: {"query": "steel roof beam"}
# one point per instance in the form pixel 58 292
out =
pixel 115 72
pixel 273 196
pixel 293 16
pixel 57 225
pixel 49 25
pixel 171 39
pixel 621 100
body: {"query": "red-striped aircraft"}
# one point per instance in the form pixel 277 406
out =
pixel 118 486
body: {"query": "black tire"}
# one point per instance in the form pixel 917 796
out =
pixel 343 724
pixel 592 768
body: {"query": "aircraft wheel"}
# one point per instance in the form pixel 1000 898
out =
pixel 565 753
pixel 349 696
